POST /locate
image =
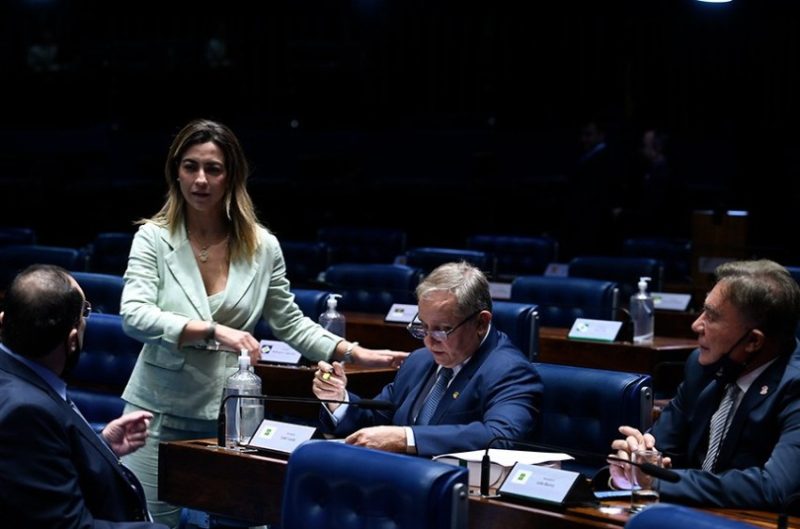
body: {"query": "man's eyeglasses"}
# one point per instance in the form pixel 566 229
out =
pixel 418 331
pixel 87 309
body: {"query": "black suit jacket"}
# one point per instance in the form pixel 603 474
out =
pixel 54 470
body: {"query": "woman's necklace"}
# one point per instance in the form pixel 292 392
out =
pixel 203 253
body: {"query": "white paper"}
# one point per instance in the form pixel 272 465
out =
pixel 279 352
pixel 401 313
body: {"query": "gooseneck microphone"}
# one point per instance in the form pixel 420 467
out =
pixel 370 404
pixel 650 469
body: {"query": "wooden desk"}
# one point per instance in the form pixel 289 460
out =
pixel 663 359
pixel 296 382
pixel 249 487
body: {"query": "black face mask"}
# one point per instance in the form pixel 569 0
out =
pixel 725 369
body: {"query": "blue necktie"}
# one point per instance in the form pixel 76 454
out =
pixel 445 374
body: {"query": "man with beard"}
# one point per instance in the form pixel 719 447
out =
pixel 732 432
pixel 55 471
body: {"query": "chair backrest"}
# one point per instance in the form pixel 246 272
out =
pixel 429 257
pixel 520 321
pixel 358 244
pixel 108 356
pixel 108 253
pixel 582 408
pixel 516 255
pixel 676 254
pixel 103 291
pixel 372 287
pixel 17 235
pixel 562 299
pixel 97 407
pixel 311 303
pixel 670 516
pixel 334 485
pixel 305 260
pixel 14 258
pixel 625 271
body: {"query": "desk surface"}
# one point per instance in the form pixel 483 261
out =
pixel 249 487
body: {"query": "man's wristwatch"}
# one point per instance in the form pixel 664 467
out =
pixel 347 358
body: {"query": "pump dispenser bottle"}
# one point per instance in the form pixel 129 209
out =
pixel 642 311
pixel 332 319
pixel 242 415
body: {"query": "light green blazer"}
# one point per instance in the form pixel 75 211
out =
pixel 164 290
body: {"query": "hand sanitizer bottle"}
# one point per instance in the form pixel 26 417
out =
pixel 332 319
pixel 642 314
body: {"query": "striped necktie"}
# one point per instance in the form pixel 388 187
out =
pixel 719 426
pixel 445 374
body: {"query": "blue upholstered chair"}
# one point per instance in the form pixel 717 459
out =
pixel 372 287
pixel 516 255
pixel 103 291
pixel 562 299
pixel 105 365
pixel 334 485
pixel 625 271
pixel 429 257
pixel 108 252
pixel 310 301
pixel 98 407
pixel 670 516
pixel 358 244
pixel 676 254
pixel 14 258
pixel 582 408
pixel 520 321
pixel 305 260
pixel 17 235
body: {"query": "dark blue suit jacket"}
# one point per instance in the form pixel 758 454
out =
pixel 54 470
pixel 757 467
pixel 497 393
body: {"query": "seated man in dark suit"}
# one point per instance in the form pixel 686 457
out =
pixel 732 432
pixel 468 385
pixel 55 471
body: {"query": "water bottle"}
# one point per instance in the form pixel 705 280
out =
pixel 242 415
pixel 332 319
pixel 643 314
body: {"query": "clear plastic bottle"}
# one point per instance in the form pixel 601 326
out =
pixel 643 314
pixel 242 415
pixel 332 319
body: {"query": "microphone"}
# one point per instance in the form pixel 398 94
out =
pixel 370 404
pixel 651 470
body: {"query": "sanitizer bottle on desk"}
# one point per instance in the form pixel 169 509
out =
pixel 242 415
pixel 643 314
pixel 332 319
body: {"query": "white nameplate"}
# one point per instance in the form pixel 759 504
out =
pixel 539 483
pixel 670 301
pixel 557 270
pixel 500 290
pixel 594 330
pixel 401 313
pixel 280 437
pixel 279 352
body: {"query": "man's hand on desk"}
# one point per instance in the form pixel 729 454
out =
pixel 387 438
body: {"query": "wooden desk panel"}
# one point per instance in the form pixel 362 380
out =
pixel 249 487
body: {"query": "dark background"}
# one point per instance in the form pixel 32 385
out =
pixel 466 114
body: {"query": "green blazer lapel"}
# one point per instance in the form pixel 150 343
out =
pixel 241 276
pixel 182 265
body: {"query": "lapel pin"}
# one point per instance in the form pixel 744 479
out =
pixel 764 390
pixel 456 394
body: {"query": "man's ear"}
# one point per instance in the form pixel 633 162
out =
pixel 72 340
pixel 755 341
